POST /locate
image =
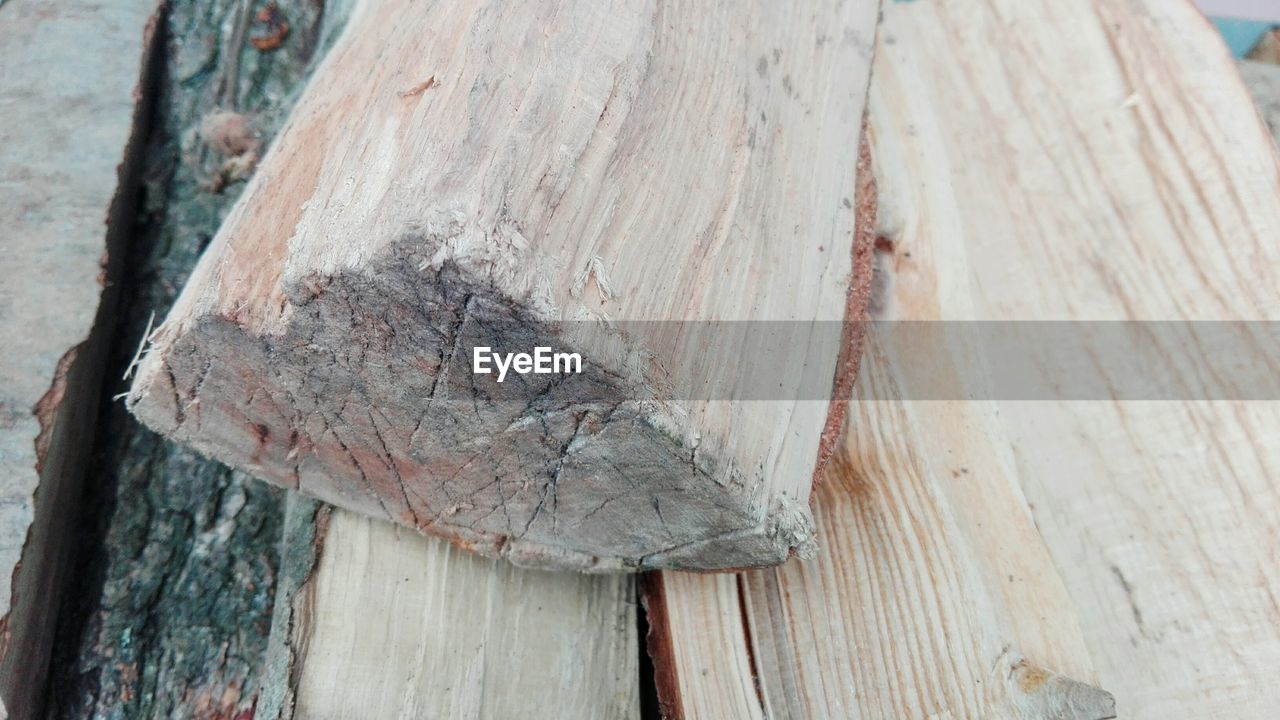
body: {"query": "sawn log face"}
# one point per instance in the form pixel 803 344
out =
pixel 523 175
pixel 363 384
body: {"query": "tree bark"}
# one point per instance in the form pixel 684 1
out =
pixel 173 585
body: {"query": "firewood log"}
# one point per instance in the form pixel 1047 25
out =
pixel 585 177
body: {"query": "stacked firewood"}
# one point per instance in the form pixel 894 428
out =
pixel 322 219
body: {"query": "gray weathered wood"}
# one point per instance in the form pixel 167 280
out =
pixel 531 173
pixel 70 79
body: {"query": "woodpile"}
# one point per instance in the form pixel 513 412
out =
pixel 295 276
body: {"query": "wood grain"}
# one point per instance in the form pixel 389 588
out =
pixel 933 595
pixel 1161 516
pixel 169 608
pixel 1035 161
pixel 389 624
pixel 535 174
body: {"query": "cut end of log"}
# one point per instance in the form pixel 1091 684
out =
pixel 326 340
pixel 368 376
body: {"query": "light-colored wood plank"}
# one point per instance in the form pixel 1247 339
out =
pixel 485 173
pixel 1036 160
pixel 70 74
pixel 1131 156
pixel 389 624
pixel 932 596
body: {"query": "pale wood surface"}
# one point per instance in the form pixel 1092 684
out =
pixel 390 624
pixel 562 166
pixel 69 83
pixel 1163 203
pixel 1037 160
pixel 932 596
pixel 1162 517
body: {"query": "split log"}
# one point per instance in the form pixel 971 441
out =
pixel 934 595
pixel 537 174
pixel 374 621
pixel 1158 517
pixel 70 81
pixel 169 608
pixel 176 589
pixel 1161 516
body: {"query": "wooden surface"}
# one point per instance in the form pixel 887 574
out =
pixel 544 170
pixel 1186 635
pixel 170 607
pixel 932 596
pixel 1162 517
pixel 184 558
pixel 389 624
pixel 1036 160
pixel 70 79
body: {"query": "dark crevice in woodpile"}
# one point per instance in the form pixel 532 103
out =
pixel 650 708
pixel 658 667
pixel 119 97
pixel 173 588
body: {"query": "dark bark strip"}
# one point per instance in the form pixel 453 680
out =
pixel 175 582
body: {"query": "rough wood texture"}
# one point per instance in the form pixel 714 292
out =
pixel 1108 152
pixel 1162 517
pixel 933 595
pixel 544 169
pixel 70 78
pixel 171 606
pixel 389 624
